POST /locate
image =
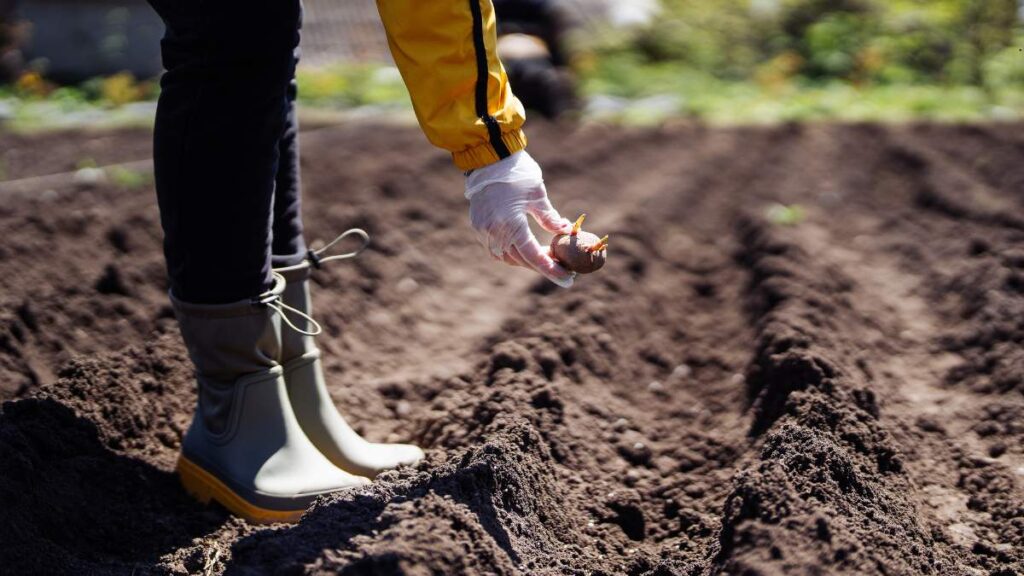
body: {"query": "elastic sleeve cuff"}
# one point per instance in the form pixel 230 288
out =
pixel 484 154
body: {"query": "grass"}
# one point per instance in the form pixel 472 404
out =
pixel 64 108
pixel 618 88
pixel 648 93
pixel 33 103
pixel 120 101
pixel 353 86
pixel 128 178
pixel 783 215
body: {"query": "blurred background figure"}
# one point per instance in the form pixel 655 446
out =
pixel 533 43
pixel 10 40
pixel 71 41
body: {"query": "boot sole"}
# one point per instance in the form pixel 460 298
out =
pixel 204 487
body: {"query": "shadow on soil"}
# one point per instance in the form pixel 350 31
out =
pixel 69 504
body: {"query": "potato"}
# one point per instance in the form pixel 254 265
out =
pixel 580 251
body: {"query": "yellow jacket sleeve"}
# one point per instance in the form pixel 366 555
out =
pixel 446 52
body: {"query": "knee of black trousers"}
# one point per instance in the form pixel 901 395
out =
pixel 254 40
pixel 242 73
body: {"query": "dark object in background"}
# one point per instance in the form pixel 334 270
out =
pixel 540 85
pixel 532 46
pixel 74 40
pixel 10 34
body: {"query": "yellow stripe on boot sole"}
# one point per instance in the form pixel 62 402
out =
pixel 204 486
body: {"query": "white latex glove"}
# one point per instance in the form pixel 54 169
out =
pixel 500 196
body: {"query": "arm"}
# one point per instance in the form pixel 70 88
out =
pixel 445 50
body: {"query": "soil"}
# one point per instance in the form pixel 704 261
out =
pixel 734 393
pixel 28 155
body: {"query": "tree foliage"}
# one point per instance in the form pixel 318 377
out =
pixel 861 41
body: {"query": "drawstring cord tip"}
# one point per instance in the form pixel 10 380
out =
pixel 314 259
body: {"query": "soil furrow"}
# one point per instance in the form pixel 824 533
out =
pixel 829 478
pixel 833 390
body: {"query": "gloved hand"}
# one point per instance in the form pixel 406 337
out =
pixel 500 196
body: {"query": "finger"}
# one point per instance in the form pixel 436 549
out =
pixel 552 256
pixel 487 242
pixel 540 260
pixel 549 218
pixel 514 252
pixel 494 248
pixel 513 258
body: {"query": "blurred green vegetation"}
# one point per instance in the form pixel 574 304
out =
pixel 626 89
pixel 858 41
pixel 783 215
pixel 352 85
pixel 129 178
pixel 32 102
pixel 110 91
pixel 731 61
pixel 747 60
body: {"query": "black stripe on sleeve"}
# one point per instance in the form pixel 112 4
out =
pixel 493 130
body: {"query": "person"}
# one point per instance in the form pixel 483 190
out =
pixel 534 48
pixel 266 438
pixel 11 33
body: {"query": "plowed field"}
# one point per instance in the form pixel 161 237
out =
pixel 740 391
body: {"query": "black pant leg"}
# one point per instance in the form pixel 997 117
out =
pixel 220 119
pixel 289 245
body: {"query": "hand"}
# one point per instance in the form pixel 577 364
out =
pixel 500 196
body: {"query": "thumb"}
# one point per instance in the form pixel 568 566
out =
pixel 540 260
pixel 548 218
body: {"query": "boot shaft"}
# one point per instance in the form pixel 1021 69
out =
pixel 295 344
pixel 227 342
pixel 245 447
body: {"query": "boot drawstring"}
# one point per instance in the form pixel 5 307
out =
pixel 314 259
pixel 272 299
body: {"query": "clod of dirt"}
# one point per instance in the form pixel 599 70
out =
pixel 112 282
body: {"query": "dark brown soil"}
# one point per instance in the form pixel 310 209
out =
pixel 729 395
pixel 29 155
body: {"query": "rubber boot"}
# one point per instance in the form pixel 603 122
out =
pixel 245 449
pixel 319 418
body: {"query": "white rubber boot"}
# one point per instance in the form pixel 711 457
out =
pixel 316 413
pixel 245 448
